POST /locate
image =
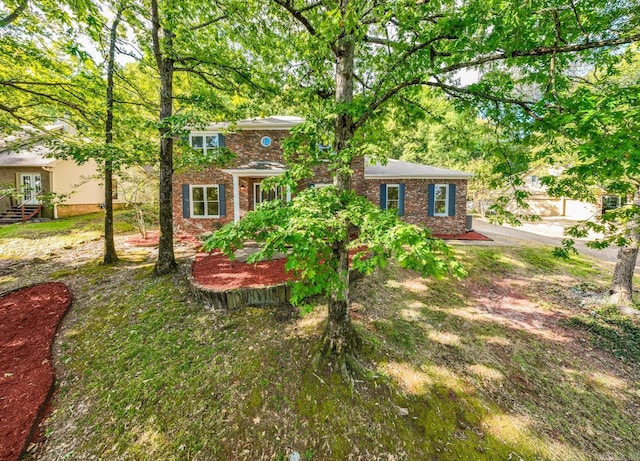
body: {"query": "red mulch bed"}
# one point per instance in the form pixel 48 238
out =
pixel 218 272
pixel 29 318
pixel 471 235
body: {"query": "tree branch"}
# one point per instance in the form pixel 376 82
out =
pixel 297 14
pixel 203 75
pixel 208 23
pixel 456 92
pixel 409 51
pixel 186 60
pixel 384 98
pixel 21 82
pixel 541 51
pixel 311 6
pixel 49 97
pixel 4 22
pixel 155 34
pixel 575 13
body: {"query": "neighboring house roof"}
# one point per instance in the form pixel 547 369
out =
pixel 36 156
pixel 275 122
pixel 26 149
pixel 407 170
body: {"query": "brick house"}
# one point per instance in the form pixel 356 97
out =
pixel 204 200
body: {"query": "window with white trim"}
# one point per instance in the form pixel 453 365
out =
pixel 441 200
pixel 260 195
pixel 611 202
pixel 204 142
pixel 393 196
pixel 205 201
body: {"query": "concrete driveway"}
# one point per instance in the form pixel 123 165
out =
pixel 547 231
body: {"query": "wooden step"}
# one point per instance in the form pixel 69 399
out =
pixel 16 214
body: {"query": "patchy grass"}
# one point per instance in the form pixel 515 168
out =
pixel 45 239
pixel 92 222
pixel 485 368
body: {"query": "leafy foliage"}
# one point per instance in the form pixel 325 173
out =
pixel 309 228
pixel 599 127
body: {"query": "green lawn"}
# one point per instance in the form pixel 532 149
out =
pixel 509 363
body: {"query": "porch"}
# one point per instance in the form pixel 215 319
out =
pixel 247 190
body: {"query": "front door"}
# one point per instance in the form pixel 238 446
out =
pixel 30 187
pixel 260 195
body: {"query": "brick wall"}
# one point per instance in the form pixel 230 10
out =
pixel 83 208
pixel 416 199
pixel 246 146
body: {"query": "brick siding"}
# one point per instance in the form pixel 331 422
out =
pixel 416 199
pixel 246 146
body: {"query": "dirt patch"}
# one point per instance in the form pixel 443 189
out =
pixel 471 235
pixel 29 318
pixel 504 303
pixel 153 240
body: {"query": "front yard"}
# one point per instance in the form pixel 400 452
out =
pixel 513 362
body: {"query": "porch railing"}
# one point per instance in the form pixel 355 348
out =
pixel 26 202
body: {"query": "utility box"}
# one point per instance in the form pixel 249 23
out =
pixel 469 222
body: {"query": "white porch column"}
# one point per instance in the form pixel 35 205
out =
pixel 236 198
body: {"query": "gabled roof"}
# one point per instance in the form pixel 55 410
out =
pixel 274 122
pixel 397 169
pixel 35 156
pixel 26 148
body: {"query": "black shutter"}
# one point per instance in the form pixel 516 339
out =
pixel 186 206
pixel 383 196
pixel 431 199
pixel 401 200
pixel 223 201
pixel 452 199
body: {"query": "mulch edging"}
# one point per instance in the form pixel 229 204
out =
pixel 226 284
pixel 469 235
pixel 29 319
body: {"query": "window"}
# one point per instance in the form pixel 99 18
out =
pixel 114 189
pixel 205 201
pixel 534 181
pixel 206 142
pixel 441 200
pixel 611 202
pixel 259 195
pixel 393 196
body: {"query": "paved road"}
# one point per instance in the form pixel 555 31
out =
pixel 549 233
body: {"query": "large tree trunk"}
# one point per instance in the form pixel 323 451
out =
pixel 110 255
pixel 622 284
pixel 166 260
pixel 340 336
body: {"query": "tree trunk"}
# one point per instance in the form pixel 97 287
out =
pixel 110 255
pixel 622 284
pixel 166 260
pixel 340 336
